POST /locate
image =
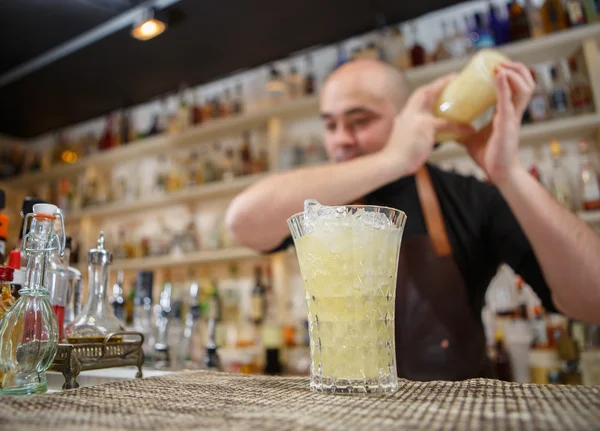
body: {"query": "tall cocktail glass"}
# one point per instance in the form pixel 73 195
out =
pixel 348 259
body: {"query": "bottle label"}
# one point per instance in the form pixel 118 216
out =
pixel 538 108
pixel 559 101
pixel 581 97
pixel 257 310
pixel 591 188
pixel 575 12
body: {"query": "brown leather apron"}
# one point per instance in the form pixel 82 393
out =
pixel 438 336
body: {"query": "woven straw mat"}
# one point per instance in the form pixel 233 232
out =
pixel 220 401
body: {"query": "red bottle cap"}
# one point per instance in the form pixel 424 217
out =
pixel 6 273
pixel 14 259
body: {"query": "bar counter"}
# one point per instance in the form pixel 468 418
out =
pixel 221 401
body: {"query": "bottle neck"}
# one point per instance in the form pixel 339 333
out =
pixel 98 279
pixel 37 250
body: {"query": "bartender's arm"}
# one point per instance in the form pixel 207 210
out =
pixel 567 249
pixel 257 217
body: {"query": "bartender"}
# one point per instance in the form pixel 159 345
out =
pixel 458 231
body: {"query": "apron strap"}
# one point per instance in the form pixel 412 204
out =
pixel 430 205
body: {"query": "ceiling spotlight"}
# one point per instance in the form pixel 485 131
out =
pixel 148 26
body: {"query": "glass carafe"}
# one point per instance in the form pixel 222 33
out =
pixel 29 331
pixel 97 319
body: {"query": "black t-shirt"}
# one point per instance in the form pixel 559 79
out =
pixel 482 230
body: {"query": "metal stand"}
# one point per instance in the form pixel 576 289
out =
pixel 71 359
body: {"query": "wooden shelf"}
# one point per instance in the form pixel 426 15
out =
pixel 581 126
pixel 208 191
pixel 197 258
pixel 552 47
pixel 210 131
pixel 590 217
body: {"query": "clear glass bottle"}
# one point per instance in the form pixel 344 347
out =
pixel 534 18
pixel 418 55
pixel 117 300
pixel 191 348
pixel 276 88
pixel 29 332
pixel 559 94
pixel 589 179
pixel 442 52
pixel 142 312
pixel 295 83
pixel 97 319
pixel 538 106
pixel 581 90
pixel 310 83
pixel 560 183
pixel 161 346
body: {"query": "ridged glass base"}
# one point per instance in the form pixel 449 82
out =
pixel 35 386
pixel 336 386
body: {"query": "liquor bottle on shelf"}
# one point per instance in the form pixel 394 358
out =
pixel 553 16
pixel 559 94
pixel 538 106
pixel 207 109
pixel 396 49
pixel 418 56
pixel 534 19
pixel 276 88
pixel 117 300
pixel 259 298
pixel 371 52
pixel 142 312
pixel 198 110
pixel 591 9
pixel 355 54
pixel 238 103
pixel 500 26
pixel 158 123
pixel 126 129
pixel 560 183
pixel 460 45
pixel 4 219
pixel 195 170
pixel 227 105
pixel 192 344
pixel 161 345
pixel 589 179
pixel 519 25
pixel 481 35
pixel 295 83
pixel 341 57
pixel 581 90
pixel 442 52
pixel 107 140
pixel 246 155
pixel 183 111
pixel 310 83
pixel 575 13
pixel 217 110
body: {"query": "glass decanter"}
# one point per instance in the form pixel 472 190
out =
pixel 97 319
pixel 29 330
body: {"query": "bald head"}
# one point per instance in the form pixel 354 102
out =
pixel 359 103
pixel 372 79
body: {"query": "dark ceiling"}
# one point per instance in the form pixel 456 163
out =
pixel 205 40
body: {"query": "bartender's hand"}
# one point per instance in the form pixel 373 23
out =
pixel 496 147
pixel 415 127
